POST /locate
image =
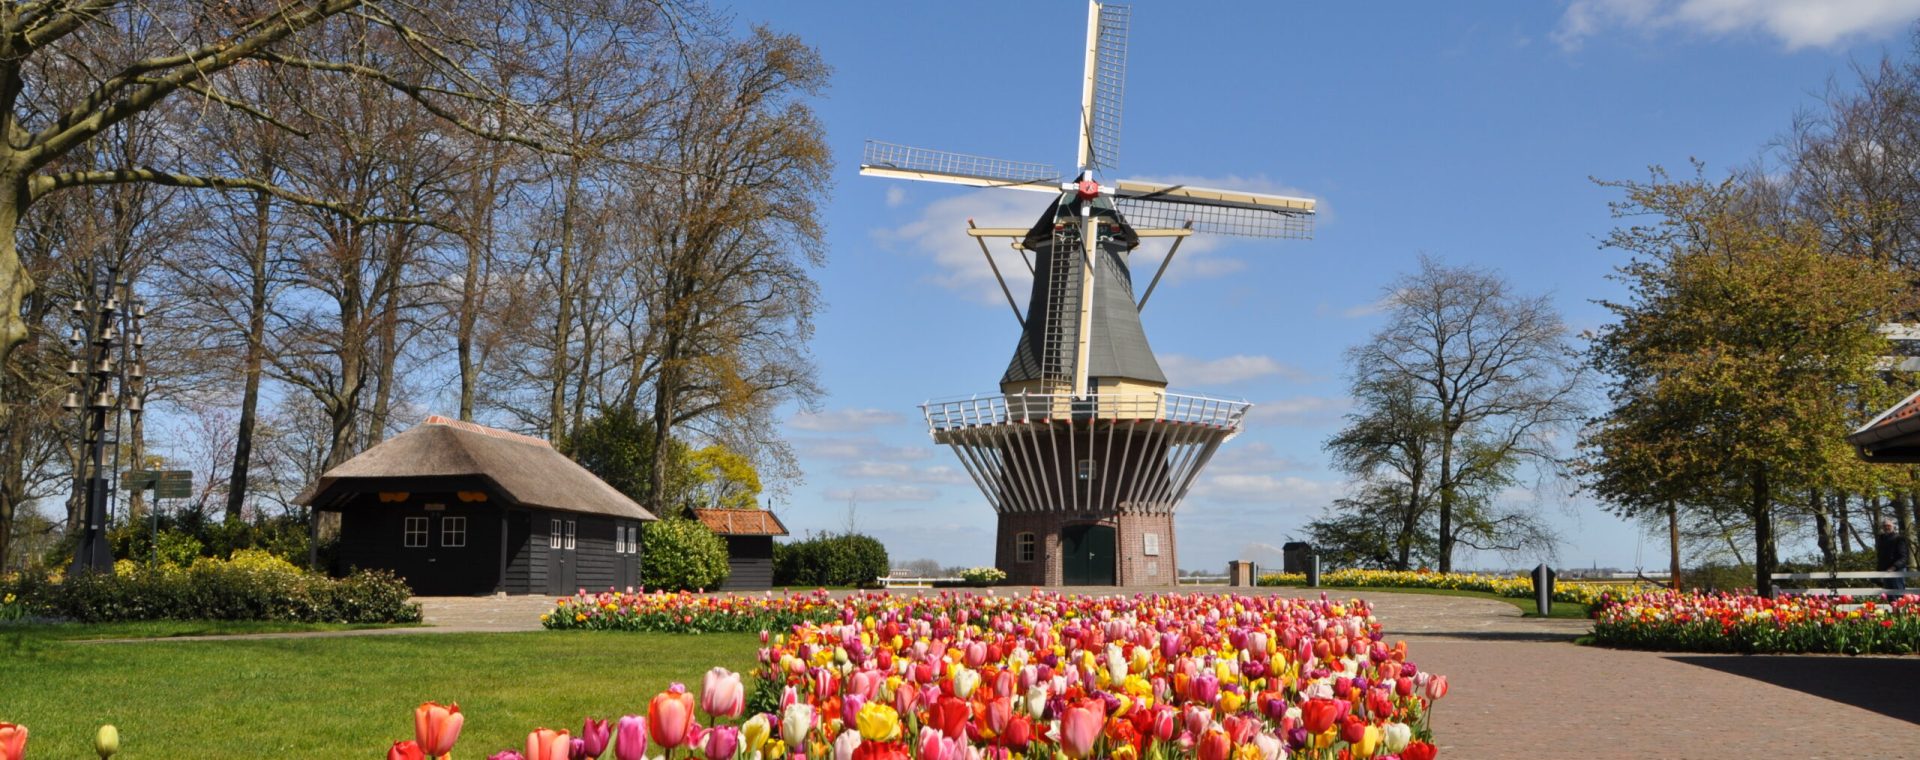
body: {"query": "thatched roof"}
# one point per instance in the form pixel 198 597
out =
pixel 525 470
pixel 741 522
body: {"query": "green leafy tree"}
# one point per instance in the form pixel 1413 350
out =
pixel 1391 442
pixel 1739 360
pixel 618 446
pixel 723 479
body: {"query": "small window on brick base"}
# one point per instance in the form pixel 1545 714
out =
pixel 1023 547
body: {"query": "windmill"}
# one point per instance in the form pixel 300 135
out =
pixel 1084 454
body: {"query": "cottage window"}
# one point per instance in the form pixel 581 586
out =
pixel 619 539
pixel 633 539
pixel 570 527
pixel 453 532
pixel 415 535
pixel 553 534
pixel 1023 547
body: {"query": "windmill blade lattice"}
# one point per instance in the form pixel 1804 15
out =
pixel 1109 85
pixel 907 158
pixel 1245 221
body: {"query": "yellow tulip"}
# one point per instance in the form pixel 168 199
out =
pixel 1368 741
pixel 878 722
pixel 1230 702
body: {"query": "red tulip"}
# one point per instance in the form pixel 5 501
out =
pixel 406 750
pixel 1419 750
pixel 1215 745
pixel 950 716
pixel 1019 732
pixel 13 741
pixel 436 728
pixel 669 718
pixel 1080 727
pixel 1318 714
pixel 1353 729
pixel 999 713
pixel 548 744
pixel 1240 727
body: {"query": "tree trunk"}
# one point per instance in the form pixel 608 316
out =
pixel 563 319
pixel 15 283
pixel 1822 529
pixel 1446 502
pixel 1761 510
pixel 1409 522
pixel 1673 545
pixel 1843 521
pixel 255 357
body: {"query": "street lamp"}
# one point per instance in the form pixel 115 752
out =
pixel 109 378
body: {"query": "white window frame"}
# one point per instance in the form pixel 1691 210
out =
pixel 1084 469
pixel 633 539
pixel 572 525
pixel 1150 544
pixel 553 533
pixel 1025 547
pixel 412 530
pixel 619 539
pixel 453 531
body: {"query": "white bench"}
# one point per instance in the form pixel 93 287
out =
pixel 1842 584
pixel 892 581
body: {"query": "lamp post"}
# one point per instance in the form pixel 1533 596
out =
pixel 109 378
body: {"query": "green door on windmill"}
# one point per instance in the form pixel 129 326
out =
pixel 1088 555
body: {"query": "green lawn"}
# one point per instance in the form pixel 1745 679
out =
pixel 337 697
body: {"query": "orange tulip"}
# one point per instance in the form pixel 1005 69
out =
pixel 548 744
pixel 669 718
pixel 436 728
pixel 13 741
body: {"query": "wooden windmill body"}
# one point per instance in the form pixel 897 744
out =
pixel 1084 453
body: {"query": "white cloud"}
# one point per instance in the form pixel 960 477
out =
pixel 1256 458
pixel 896 196
pixel 903 472
pixel 845 420
pixel 1300 410
pixel 1796 24
pixel 1265 489
pixel 882 492
pixel 866 448
pixel 1185 370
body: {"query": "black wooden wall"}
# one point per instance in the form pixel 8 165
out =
pixel 750 563
pixel 372 537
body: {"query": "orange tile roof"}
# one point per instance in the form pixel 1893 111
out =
pixel 741 522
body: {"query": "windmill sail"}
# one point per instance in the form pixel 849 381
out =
pixel 883 159
pixel 1106 83
pixel 1227 212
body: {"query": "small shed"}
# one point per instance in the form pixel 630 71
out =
pixel 749 535
pixel 457 508
pixel 1893 437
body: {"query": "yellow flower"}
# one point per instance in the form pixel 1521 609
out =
pixel 1230 702
pixel 878 722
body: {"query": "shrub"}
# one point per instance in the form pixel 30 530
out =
pixel 983 576
pixel 255 585
pixel 681 555
pixel 850 559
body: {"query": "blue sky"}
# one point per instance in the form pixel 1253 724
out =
pixel 1466 131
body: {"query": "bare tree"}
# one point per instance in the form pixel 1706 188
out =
pixel 1501 380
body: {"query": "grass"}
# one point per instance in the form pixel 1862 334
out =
pixel 337 697
pixel 1561 610
pixel 163 629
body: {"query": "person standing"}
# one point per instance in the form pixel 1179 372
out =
pixel 1890 554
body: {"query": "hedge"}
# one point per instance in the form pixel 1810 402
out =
pixel 252 586
pixel 849 559
pixel 682 555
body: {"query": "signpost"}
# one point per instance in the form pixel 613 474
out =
pixel 165 484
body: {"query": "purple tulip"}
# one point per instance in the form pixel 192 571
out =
pixel 631 740
pixel 576 749
pixel 594 735
pixel 506 754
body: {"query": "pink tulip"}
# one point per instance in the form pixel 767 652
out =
pixel 436 728
pixel 548 744
pixel 1080 727
pixel 630 738
pixel 1436 687
pixel 13 741
pixel 594 735
pixel 721 694
pixel 720 743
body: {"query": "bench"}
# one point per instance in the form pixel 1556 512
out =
pixel 1842 584
pixel 892 581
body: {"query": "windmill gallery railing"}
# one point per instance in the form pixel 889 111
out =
pixel 1100 453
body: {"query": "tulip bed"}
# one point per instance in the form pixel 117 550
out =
pixel 1515 586
pixel 1722 622
pixel 965 676
pixel 684 612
